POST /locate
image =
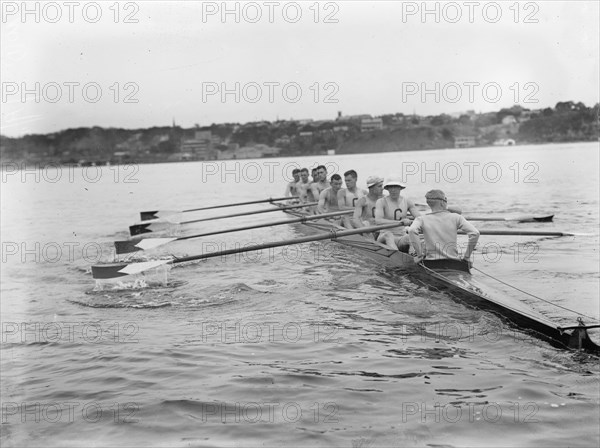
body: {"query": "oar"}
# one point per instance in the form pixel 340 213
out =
pixel 125 247
pixel 157 225
pixel 116 270
pixel 517 232
pixel 519 218
pixel 155 214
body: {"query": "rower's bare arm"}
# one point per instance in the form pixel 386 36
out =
pixel 412 208
pixel 358 211
pixel 472 235
pixel 315 191
pixel 322 199
pixel 415 239
pixel 341 197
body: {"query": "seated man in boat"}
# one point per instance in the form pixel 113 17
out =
pixel 320 183
pixel 303 186
pixel 364 211
pixel 328 199
pixel 440 229
pixel 290 189
pixel 347 197
pixel 391 208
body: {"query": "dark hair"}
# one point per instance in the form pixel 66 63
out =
pixel 295 170
pixel 303 170
pixel 336 177
pixel 321 166
pixel 351 173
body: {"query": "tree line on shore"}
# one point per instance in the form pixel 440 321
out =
pixel 567 121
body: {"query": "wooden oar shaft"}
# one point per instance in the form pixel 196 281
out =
pixel 125 247
pixel 116 270
pixel 150 226
pixel 517 232
pixel 155 214
pixel 271 224
pixel 261 201
pixel 253 212
pixel 520 218
pixel 333 234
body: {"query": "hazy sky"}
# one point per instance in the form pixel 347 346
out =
pixel 143 64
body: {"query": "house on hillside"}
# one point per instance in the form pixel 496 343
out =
pixel 464 141
pixel 371 124
pixel 248 152
pixel 200 147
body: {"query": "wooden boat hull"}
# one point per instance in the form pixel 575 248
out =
pixel 458 279
pixel 481 296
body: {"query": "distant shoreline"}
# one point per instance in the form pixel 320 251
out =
pixel 568 122
pixel 21 165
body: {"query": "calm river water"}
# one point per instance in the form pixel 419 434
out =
pixel 305 346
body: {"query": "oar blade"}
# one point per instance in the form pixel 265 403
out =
pixel 140 229
pixel 108 271
pixel 156 214
pixel 548 218
pixel 116 270
pixel 147 216
pixel 516 218
pixel 138 268
pixel 126 247
pixel 153 243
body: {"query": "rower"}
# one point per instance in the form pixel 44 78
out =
pixel 364 211
pixel 328 199
pixel 303 186
pixel 320 183
pixel 440 228
pixel 395 207
pixel 290 189
pixel 347 197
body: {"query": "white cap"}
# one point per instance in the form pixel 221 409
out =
pixel 374 180
pixel 394 182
